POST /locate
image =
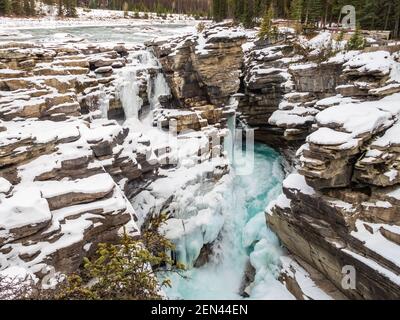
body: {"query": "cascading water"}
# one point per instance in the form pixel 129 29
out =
pixel 128 90
pixel 128 93
pixel 238 218
pixel 245 236
pixel 104 104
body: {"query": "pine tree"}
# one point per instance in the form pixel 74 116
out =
pixel 266 24
pixel 296 10
pixel 33 7
pixel 93 4
pixel 216 5
pixel 5 7
pixel 27 7
pixel 313 11
pixel 248 14
pixel 357 41
pixel 60 10
pixel 238 8
pixel 220 10
pixel 70 8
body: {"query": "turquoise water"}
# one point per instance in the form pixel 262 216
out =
pixel 245 201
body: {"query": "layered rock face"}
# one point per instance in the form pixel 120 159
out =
pixel 203 71
pixel 338 211
pixel 63 168
pixel 279 95
pixel 68 173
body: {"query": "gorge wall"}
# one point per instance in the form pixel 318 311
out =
pixel 339 206
pixel 68 174
pixel 334 116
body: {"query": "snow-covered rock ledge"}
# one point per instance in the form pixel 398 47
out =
pixel 339 207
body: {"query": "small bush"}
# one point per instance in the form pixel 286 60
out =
pixel 126 270
pixel 356 42
pixel 200 27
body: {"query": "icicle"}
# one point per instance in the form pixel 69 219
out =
pixel 157 88
pixel 104 104
pixel 128 93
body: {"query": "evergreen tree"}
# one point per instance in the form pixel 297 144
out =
pixel 5 7
pixel 33 7
pixel 266 24
pixel 70 8
pixel 220 10
pixel 60 10
pixel 313 11
pixel 357 41
pixel 26 7
pixel 296 10
pixel 248 14
pixel 238 8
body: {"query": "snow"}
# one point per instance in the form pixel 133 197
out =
pixel 303 66
pixel 389 139
pixel 100 183
pixel 334 100
pixel 296 181
pixel 375 266
pixel 361 118
pixel 5 185
pixel 224 33
pixel 25 207
pixel 307 285
pixel 40 132
pixel 327 136
pixel 281 202
pixel 371 62
pixel 93 17
pixel 343 56
pixel 394 194
pixel 283 118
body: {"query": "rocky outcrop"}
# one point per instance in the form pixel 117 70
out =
pixel 68 172
pixel 202 71
pixel 64 169
pixel 336 212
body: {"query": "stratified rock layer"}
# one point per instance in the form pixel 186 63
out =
pixel 338 209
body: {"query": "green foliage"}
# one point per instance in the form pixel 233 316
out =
pixel 266 24
pixel 200 27
pixel 93 4
pixel 248 14
pixel 357 41
pixel 220 10
pixel 124 271
pixel 296 10
pixel 70 8
pixel 5 7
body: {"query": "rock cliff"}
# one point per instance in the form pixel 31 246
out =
pixel 64 169
pixel 338 207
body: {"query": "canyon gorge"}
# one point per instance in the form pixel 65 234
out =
pixel 98 136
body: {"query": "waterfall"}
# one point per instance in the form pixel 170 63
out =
pixel 156 88
pixel 128 92
pixel 130 79
pixel 244 237
pixel 104 104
